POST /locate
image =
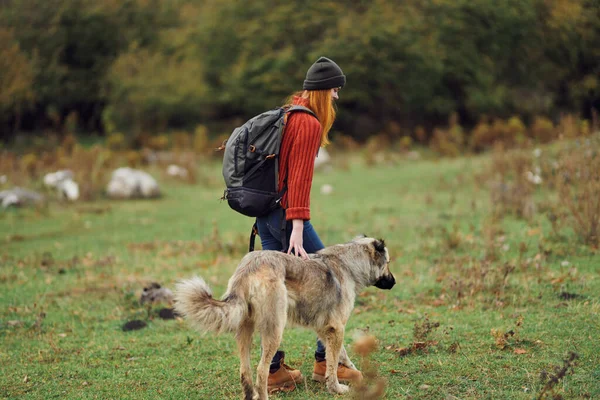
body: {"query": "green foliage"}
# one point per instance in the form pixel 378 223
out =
pixel 16 76
pixel 139 65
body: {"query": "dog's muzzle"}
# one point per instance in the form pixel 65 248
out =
pixel 385 282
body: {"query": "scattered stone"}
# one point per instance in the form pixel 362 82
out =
pixel 128 183
pixel 19 197
pixel 134 325
pixel 69 189
pixel 569 296
pixel 326 189
pixel 54 178
pixel 177 172
pixel 63 182
pixel 168 313
pixel 154 293
pixel 323 158
pixel 533 178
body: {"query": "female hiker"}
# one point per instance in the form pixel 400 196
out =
pixel 302 137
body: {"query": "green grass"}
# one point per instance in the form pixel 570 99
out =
pixel 80 266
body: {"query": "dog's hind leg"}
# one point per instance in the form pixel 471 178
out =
pixel 334 338
pixel 244 343
pixel 345 360
pixel 270 322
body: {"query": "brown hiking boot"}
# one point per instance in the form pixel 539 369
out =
pixel 284 379
pixel 344 373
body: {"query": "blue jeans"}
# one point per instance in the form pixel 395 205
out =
pixel 269 230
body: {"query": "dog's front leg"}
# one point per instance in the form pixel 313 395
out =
pixel 345 360
pixel 334 340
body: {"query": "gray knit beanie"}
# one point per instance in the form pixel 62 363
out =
pixel 324 74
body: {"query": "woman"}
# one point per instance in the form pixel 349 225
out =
pixel 303 136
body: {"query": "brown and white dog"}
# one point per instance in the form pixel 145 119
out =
pixel 270 288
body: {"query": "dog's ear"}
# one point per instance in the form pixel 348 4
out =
pixel 379 245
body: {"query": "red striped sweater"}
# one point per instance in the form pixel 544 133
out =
pixel 299 146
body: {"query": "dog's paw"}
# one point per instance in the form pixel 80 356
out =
pixel 339 389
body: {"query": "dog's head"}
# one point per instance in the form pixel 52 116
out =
pixel 381 277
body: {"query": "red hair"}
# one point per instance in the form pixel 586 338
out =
pixel 321 103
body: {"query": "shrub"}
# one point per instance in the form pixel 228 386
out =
pixel 133 158
pixel 448 142
pixel 345 142
pixel 160 142
pixel 543 130
pixel 513 184
pixel 116 141
pixel 181 140
pixel 91 168
pixel 480 136
pixel 442 143
pixel 405 143
pixel 517 129
pixel 375 148
pixel 421 134
pixel 30 164
pixel 201 140
pixel 579 189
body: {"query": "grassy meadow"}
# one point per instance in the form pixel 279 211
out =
pixel 488 304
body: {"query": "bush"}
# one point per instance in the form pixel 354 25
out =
pixel 543 130
pixel 201 140
pixel 513 183
pixel 405 143
pixel 480 136
pixel 116 141
pixel 579 189
pixel 443 143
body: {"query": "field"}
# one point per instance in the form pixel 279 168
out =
pixel 487 305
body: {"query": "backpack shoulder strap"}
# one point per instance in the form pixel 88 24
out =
pixel 295 108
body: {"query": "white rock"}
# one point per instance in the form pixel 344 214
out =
pixel 10 199
pixel 533 178
pixel 148 186
pixel 326 189
pixel 565 264
pixel 177 171
pixel 537 152
pixel 128 183
pixel 323 158
pixel 18 197
pixel 3 179
pixel 69 189
pixel 63 182
pixel 54 178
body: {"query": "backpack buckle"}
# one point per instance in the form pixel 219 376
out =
pixel 252 148
pixel 270 156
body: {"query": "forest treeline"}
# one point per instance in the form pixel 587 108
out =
pixel 152 65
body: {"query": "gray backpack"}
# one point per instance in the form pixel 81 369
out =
pixel 251 162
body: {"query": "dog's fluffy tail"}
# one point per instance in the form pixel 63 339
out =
pixel 194 301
